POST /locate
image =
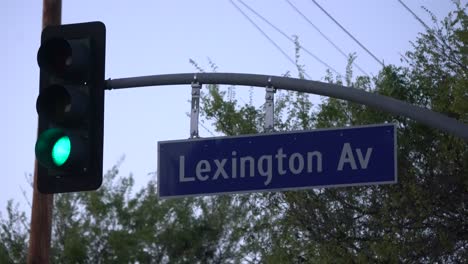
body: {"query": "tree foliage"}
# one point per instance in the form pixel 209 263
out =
pixel 422 219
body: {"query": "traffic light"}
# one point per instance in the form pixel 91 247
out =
pixel 70 106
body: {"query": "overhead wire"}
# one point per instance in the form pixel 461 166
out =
pixel 414 15
pixel 322 34
pixel 266 36
pixel 437 38
pixel 348 33
pixel 288 37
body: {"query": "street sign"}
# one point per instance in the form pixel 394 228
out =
pixel 364 155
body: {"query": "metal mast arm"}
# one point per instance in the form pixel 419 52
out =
pixel 384 103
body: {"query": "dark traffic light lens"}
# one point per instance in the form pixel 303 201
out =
pixel 54 102
pixel 63 105
pixel 55 56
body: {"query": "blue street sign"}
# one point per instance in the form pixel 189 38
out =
pixel 279 161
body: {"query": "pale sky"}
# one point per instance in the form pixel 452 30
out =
pixel 159 37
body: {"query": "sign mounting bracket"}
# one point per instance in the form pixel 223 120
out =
pixel 195 108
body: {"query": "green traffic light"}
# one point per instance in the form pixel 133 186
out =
pixel 61 150
pixel 54 148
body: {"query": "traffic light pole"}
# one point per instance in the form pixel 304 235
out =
pixel 377 101
pixel 41 213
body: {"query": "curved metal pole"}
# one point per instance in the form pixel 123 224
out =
pixel 384 103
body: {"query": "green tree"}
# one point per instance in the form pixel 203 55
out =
pixel 13 235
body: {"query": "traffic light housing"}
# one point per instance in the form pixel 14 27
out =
pixel 70 106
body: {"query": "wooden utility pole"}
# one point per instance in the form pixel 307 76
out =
pixel 41 215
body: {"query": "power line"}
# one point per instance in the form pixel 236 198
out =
pixel 414 14
pixel 323 35
pixel 266 36
pixel 349 34
pixel 207 130
pixel 437 38
pixel 288 37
